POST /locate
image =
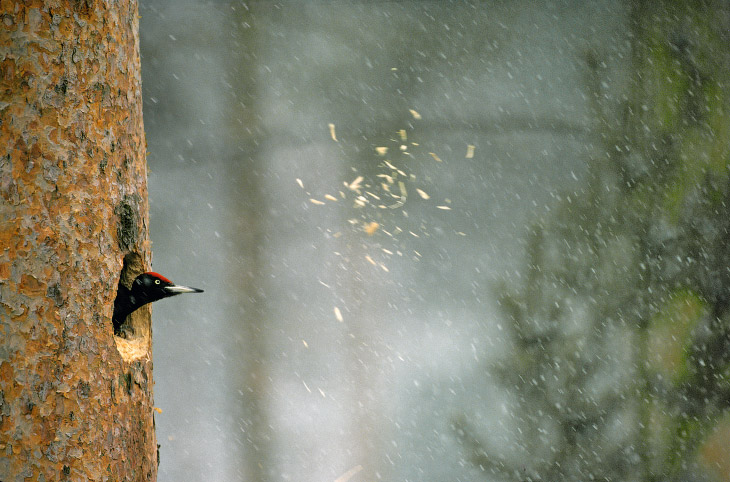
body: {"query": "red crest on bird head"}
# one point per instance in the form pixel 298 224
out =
pixel 158 275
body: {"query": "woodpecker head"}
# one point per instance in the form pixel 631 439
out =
pixel 149 287
pixel 146 288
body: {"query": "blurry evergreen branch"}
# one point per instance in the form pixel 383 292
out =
pixel 619 366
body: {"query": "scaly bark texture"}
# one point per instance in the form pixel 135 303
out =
pixel 75 403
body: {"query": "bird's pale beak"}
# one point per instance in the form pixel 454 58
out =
pixel 177 289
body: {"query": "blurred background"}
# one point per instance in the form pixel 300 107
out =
pixel 465 241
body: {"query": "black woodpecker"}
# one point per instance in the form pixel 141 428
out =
pixel 146 288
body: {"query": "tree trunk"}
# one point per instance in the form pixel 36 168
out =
pixel 75 402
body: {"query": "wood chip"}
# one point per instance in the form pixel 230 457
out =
pixel 422 194
pixel 355 185
pixel 338 314
pixel 315 201
pixel 415 114
pixel 372 195
pixel 435 156
pixel 301 184
pixel 381 150
pixel 371 227
pixel 332 132
pixel 350 473
pixel 469 151
pixel 401 198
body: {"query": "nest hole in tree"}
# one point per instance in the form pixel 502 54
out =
pixel 133 336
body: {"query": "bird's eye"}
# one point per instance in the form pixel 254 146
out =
pixel 157 281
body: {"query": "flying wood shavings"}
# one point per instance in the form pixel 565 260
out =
pixel 157 409
pixel 370 260
pixel 370 228
pixel 435 157
pixel 415 114
pixel 403 135
pixel 422 193
pixel 391 166
pixel 316 201
pixel 350 473
pixel 305 344
pixel 387 178
pixel 338 314
pixel 301 184
pixel 469 151
pixel 403 196
pixel 332 132
pixel 330 197
pixel 372 195
pixel 355 185
pixel 445 208
pixel 381 150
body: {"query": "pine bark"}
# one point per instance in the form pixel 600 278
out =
pixel 75 402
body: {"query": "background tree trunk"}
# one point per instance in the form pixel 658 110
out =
pixel 75 403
